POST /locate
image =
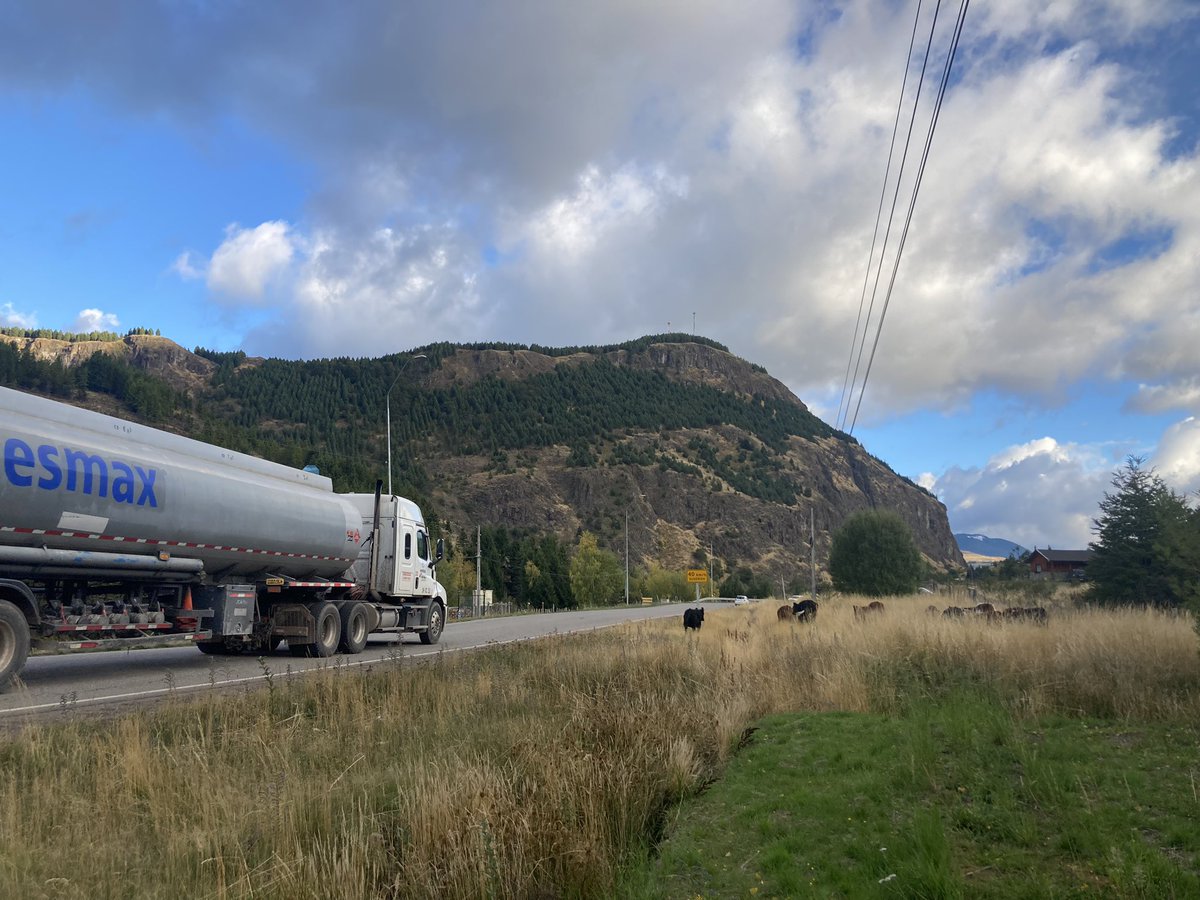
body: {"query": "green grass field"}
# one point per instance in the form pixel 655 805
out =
pixel 757 758
pixel 951 799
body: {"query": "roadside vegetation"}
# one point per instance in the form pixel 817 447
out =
pixel 758 757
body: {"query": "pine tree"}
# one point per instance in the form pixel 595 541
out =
pixel 1147 547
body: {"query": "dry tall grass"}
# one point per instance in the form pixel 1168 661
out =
pixel 524 772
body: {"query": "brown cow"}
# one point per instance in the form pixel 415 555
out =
pixel 785 614
pixel 1035 614
pixel 864 612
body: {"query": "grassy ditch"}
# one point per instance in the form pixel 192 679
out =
pixel 551 769
pixel 954 799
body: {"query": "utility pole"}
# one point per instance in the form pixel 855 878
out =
pixel 626 557
pixel 812 562
pixel 711 589
pixel 478 604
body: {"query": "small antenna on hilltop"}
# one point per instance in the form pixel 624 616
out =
pixel 693 324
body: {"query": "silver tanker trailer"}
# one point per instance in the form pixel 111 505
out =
pixel 116 533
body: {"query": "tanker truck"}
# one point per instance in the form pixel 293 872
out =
pixel 117 534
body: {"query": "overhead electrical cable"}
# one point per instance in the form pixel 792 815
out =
pixel 892 210
pixel 937 109
pixel 847 393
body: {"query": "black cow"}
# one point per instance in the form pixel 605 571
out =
pixel 805 610
pixel 693 618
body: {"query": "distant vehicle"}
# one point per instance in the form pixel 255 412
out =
pixel 740 600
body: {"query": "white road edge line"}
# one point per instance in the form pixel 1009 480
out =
pixel 251 678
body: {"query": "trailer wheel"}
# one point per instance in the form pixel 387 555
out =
pixel 437 624
pixel 14 643
pixel 354 628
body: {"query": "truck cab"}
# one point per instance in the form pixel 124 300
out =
pixel 405 565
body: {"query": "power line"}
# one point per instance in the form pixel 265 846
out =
pixel 892 210
pixel 846 393
pixel 937 110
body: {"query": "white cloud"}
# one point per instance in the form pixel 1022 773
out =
pixel 249 259
pixel 1177 457
pixel 631 164
pixel 568 229
pixel 185 267
pixel 14 318
pixel 373 294
pixel 1159 398
pixel 90 320
pixel 1042 493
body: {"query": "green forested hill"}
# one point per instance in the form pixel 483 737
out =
pixel 698 448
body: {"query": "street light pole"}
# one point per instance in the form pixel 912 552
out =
pixel 388 404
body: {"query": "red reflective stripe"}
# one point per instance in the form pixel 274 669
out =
pixel 162 543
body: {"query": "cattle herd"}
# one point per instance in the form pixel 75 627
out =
pixel 803 611
pixel 806 611
pixel 1035 614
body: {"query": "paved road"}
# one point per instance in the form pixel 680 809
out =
pixel 100 681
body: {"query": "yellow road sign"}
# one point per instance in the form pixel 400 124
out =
pixel 697 576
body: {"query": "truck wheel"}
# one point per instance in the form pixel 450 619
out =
pixel 329 631
pixel 437 624
pixel 329 634
pixel 14 643
pixel 354 628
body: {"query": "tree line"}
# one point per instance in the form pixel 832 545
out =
pixel 1146 552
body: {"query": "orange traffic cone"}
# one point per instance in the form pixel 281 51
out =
pixel 186 623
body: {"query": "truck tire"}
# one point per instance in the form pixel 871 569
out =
pixel 437 624
pixel 14 643
pixel 354 628
pixel 329 634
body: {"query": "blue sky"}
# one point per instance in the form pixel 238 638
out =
pixel 311 179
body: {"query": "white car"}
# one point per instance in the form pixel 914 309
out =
pixel 740 600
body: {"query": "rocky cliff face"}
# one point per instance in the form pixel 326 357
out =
pixel 676 516
pixel 157 356
pixel 678 506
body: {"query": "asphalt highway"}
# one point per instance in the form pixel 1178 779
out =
pixel 99 683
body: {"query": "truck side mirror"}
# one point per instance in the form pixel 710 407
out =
pixel 441 550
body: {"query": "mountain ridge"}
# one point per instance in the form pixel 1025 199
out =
pixel 983 545
pixel 698 447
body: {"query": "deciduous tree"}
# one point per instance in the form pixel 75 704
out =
pixel 596 575
pixel 873 553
